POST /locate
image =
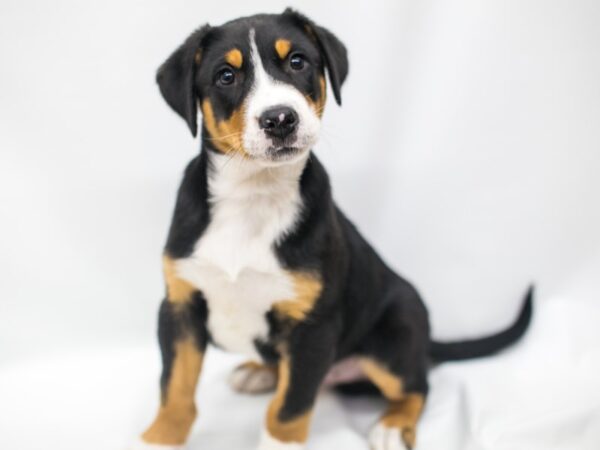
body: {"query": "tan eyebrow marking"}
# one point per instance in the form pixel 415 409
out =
pixel 282 47
pixel 235 58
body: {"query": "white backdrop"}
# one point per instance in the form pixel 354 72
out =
pixel 467 151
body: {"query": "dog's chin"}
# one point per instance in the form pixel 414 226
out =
pixel 280 156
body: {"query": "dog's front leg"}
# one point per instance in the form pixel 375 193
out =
pixel 183 338
pixel 302 368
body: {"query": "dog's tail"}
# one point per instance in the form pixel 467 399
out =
pixel 476 348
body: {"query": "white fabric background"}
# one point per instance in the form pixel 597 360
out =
pixel 467 151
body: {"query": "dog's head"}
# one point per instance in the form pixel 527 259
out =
pixel 259 82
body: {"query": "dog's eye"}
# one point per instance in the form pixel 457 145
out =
pixel 297 62
pixel 225 77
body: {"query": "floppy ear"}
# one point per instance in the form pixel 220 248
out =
pixel 333 51
pixel 175 78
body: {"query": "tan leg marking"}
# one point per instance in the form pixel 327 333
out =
pixel 295 430
pixel 178 410
pixel 226 135
pixel 389 384
pixel 235 58
pixel 404 409
pixel 307 289
pixel 404 415
pixel 282 47
pixel 178 290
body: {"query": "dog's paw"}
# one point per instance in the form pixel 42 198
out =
pixel 267 442
pixel 141 445
pixel 253 378
pixel 385 438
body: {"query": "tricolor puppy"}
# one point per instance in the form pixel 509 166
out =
pixel 259 259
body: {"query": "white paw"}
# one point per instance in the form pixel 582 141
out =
pixel 253 379
pixel 384 438
pixel 141 445
pixel 267 442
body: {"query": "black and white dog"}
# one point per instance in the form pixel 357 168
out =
pixel 259 260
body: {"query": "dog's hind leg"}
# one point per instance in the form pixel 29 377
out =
pixel 394 359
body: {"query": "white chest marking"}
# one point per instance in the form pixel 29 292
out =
pixel 233 263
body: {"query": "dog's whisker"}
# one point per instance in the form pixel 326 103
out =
pixel 232 153
pixel 226 136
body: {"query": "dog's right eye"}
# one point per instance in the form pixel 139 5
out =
pixel 297 61
pixel 225 77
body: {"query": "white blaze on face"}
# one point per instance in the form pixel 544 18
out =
pixel 266 93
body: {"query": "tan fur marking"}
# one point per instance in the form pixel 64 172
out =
pixel 235 58
pixel 307 288
pixel 198 56
pixel 323 98
pixel 178 290
pixel 282 47
pixel 389 384
pixel 226 135
pixel 319 105
pixel 178 410
pixel 295 430
pixel 404 415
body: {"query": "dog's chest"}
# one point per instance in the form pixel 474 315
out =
pixel 234 264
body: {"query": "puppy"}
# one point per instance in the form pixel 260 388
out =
pixel 259 259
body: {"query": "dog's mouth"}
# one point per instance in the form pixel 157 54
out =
pixel 277 151
pixel 282 153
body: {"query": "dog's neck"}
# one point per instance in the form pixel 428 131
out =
pixel 251 209
pixel 234 177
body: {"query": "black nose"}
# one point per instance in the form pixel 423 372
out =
pixel 279 121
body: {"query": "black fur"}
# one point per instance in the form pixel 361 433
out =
pixel 192 214
pixel 176 78
pixel 456 351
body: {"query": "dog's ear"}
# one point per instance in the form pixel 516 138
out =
pixel 333 51
pixel 175 78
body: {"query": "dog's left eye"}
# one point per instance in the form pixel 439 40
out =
pixel 225 77
pixel 297 62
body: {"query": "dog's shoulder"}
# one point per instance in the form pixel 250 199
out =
pixel 191 215
pixel 316 228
